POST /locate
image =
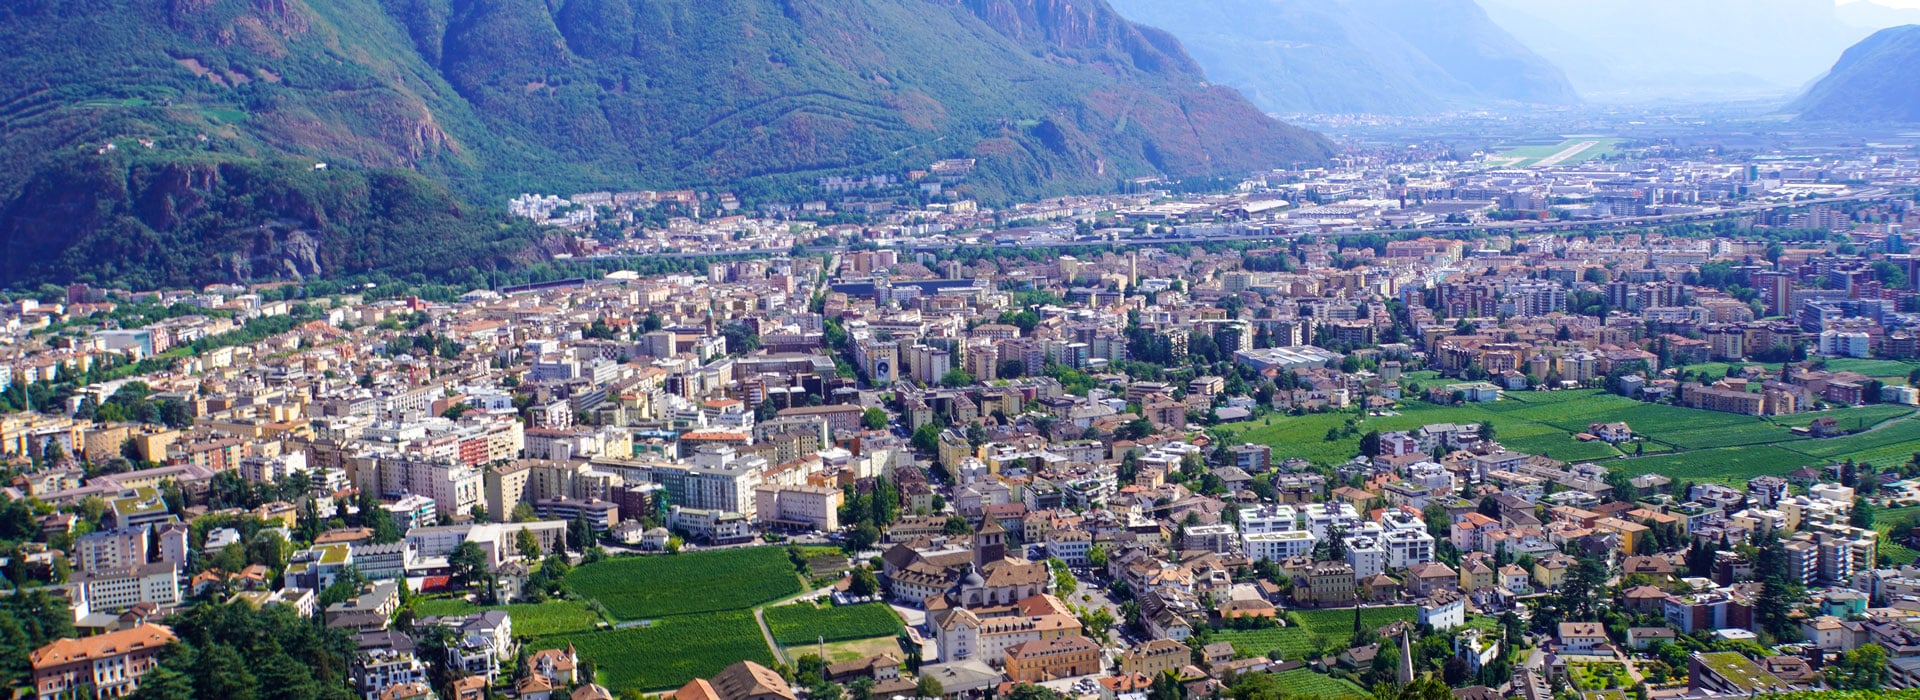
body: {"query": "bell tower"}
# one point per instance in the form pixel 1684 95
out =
pixel 990 544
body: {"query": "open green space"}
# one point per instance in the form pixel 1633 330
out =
pixel 1726 464
pixel 1719 369
pixel 805 623
pixel 1293 643
pixel 1599 676
pixel 1533 422
pixel 1878 369
pixel 1682 443
pixel 643 587
pixel 854 650
pixel 1850 417
pixel 1305 683
pixel 1317 628
pixel 1905 435
pixel 529 619
pixel 669 652
pixel 1563 447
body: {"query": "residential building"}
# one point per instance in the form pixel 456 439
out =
pixel 103 666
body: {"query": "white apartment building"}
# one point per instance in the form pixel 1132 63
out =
pixel 724 481
pixel 455 488
pixel 1268 518
pixel 1278 545
pixel 1322 517
pixel 1407 547
pixel 1366 555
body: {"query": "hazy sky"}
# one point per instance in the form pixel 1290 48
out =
pixel 1904 4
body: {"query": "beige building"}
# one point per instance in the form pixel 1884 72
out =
pixel 1153 658
pixel 810 507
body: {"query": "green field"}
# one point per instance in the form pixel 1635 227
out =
pixel 1316 627
pixel 1683 443
pixel 669 652
pixel 1293 643
pixel 1848 417
pixel 1727 464
pixel 1530 156
pixel 803 623
pixel 1902 435
pixel 1878 369
pixel 529 619
pixel 1599 676
pixel 636 588
pixel 1304 683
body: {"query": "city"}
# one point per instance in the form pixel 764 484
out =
pixel 1592 399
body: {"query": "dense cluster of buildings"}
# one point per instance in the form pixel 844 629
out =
pixel 1021 410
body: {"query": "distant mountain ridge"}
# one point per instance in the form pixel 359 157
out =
pixel 475 100
pixel 1875 81
pixel 1399 57
pixel 1687 51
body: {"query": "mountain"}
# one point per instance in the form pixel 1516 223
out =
pixel 1687 51
pixel 1402 57
pixel 1878 80
pixel 218 112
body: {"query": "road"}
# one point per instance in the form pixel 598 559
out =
pixel 766 633
pixel 760 618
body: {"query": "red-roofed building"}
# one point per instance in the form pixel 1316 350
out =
pixel 108 665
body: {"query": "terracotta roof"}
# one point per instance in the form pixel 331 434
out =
pixel 748 679
pixel 696 689
pixel 65 651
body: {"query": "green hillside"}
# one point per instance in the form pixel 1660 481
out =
pixel 488 98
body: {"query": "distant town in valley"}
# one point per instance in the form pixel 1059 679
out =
pixel 986 350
